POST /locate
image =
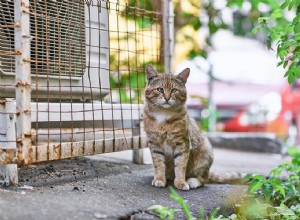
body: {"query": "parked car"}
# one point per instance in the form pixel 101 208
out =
pixel 252 108
pixel 249 91
pixel 276 111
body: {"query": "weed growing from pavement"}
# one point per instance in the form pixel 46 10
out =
pixel 273 198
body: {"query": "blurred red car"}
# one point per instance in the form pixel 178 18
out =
pixel 250 93
pixel 253 108
pixel 276 111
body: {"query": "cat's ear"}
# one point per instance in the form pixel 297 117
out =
pixel 184 75
pixel 151 73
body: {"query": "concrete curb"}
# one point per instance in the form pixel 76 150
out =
pixel 255 142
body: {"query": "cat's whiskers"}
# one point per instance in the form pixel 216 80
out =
pixel 153 105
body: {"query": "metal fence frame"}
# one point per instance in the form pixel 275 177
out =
pixel 18 114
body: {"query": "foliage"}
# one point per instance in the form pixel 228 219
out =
pixel 188 23
pixel 284 32
pixel 273 23
pixel 166 212
pixel 128 86
pixel 279 20
pixel 274 198
pixel 131 25
pixel 142 21
pixel 204 122
pixel 182 203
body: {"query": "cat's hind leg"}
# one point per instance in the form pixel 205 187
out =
pixel 193 182
pixel 200 179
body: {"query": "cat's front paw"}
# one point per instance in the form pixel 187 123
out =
pixel 159 182
pixel 182 185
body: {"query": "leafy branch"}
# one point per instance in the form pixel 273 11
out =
pixel 282 27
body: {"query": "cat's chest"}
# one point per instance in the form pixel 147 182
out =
pixel 168 149
pixel 162 117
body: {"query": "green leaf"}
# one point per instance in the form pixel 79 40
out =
pixel 294 151
pixel 276 14
pixel 279 63
pixel 248 176
pixel 267 192
pixel 214 214
pixel 275 172
pixel 259 177
pixel 263 19
pixel 285 64
pixel 297 27
pixel 185 207
pixel 282 53
pixel 285 4
pixel 238 3
pixel 164 211
pixel 296 72
pixel 285 211
pixel 143 23
pixel 254 4
pixel 296 19
pixel 269 43
pixel 255 186
pixel 256 29
pixel 197 24
pixel 281 190
pixel 275 181
pixel 291 78
pixel 291 5
pixel 201 213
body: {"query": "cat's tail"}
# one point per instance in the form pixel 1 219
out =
pixel 227 177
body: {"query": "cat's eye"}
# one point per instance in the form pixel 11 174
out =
pixel 173 90
pixel 161 90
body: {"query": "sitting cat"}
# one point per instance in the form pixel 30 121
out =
pixel 179 150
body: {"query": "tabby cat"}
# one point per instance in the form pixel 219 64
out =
pixel 179 150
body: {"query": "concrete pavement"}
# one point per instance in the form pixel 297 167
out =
pixel 106 187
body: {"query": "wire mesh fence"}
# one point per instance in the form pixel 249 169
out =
pixel 72 75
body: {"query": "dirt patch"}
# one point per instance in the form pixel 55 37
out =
pixel 67 170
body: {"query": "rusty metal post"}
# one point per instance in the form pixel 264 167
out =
pixel 168 35
pixel 9 171
pixel 138 154
pixel 23 81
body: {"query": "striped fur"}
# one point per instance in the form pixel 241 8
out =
pixel 179 150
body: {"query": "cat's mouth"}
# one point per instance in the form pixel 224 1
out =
pixel 166 105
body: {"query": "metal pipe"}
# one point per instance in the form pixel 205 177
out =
pixel 168 35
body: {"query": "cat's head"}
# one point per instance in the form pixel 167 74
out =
pixel 166 91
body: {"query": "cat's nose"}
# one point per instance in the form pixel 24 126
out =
pixel 167 97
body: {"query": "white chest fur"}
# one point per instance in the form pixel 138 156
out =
pixel 162 116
